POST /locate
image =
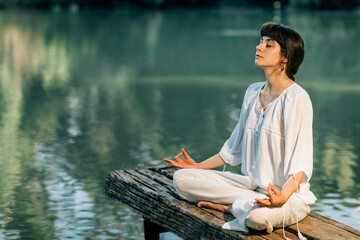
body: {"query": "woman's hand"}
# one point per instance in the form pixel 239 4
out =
pixel 276 198
pixel 187 163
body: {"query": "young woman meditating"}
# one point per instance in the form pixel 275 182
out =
pixel 272 141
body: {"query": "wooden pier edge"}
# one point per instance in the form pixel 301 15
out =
pixel 150 192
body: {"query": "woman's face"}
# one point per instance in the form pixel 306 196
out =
pixel 268 53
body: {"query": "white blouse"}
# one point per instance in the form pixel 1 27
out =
pixel 274 144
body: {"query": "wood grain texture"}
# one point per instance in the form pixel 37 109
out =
pixel 150 192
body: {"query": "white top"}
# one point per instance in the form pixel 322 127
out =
pixel 274 144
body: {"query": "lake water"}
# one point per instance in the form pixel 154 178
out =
pixel 82 94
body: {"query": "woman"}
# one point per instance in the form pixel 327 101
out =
pixel 272 141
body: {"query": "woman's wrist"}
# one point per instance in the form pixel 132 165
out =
pixel 286 196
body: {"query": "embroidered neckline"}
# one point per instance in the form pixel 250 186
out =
pixel 263 109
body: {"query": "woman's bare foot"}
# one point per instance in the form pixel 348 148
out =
pixel 216 206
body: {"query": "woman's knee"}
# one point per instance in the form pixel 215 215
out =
pixel 263 218
pixel 299 213
pixel 180 175
pixel 258 220
pixel 179 178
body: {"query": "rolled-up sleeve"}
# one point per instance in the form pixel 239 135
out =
pixel 298 117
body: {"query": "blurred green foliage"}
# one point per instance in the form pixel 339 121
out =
pixel 75 4
pixel 327 4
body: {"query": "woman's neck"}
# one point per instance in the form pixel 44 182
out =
pixel 276 82
pixel 275 85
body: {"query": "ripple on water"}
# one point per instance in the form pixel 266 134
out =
pixel 345 210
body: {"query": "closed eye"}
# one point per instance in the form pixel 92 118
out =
pixel 269 42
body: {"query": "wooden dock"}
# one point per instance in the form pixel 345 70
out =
pixel 150 192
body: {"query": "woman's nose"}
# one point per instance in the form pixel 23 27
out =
pixel 258 48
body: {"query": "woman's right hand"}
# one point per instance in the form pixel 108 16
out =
pixel 187 163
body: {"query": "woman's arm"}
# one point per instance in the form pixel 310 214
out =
pixel 212 162
pixel 278 198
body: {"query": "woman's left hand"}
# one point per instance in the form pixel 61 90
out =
pixel 275 199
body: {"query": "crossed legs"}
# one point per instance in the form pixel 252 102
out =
pixel 218 190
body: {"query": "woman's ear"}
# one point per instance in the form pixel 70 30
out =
pixel 284 60
pixel 283 63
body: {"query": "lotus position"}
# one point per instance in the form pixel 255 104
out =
pixel 272 141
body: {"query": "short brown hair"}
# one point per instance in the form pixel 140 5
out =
pixel 291 43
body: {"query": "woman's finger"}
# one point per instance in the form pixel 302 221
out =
pixel 264 202
pixel 275 190
pixel 185 153
pixel 175 164
pixel 177 157
pixel 169 161
pixel 257 201
pixel 271 196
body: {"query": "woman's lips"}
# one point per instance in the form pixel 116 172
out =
pixel 258 56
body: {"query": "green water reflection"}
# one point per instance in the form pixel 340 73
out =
pixel 83 94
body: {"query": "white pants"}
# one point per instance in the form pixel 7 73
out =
pixel 226 187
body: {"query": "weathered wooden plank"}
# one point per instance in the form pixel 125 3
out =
pixel 172 219
pixel 215 217
pixel 165 170
pixel 334 223
pixel 179 217
pixel 200 223
pixel 150 192
pixel 319 227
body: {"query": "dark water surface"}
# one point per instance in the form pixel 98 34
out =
pixel 85 93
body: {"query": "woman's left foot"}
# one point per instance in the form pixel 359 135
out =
pixel 216 206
